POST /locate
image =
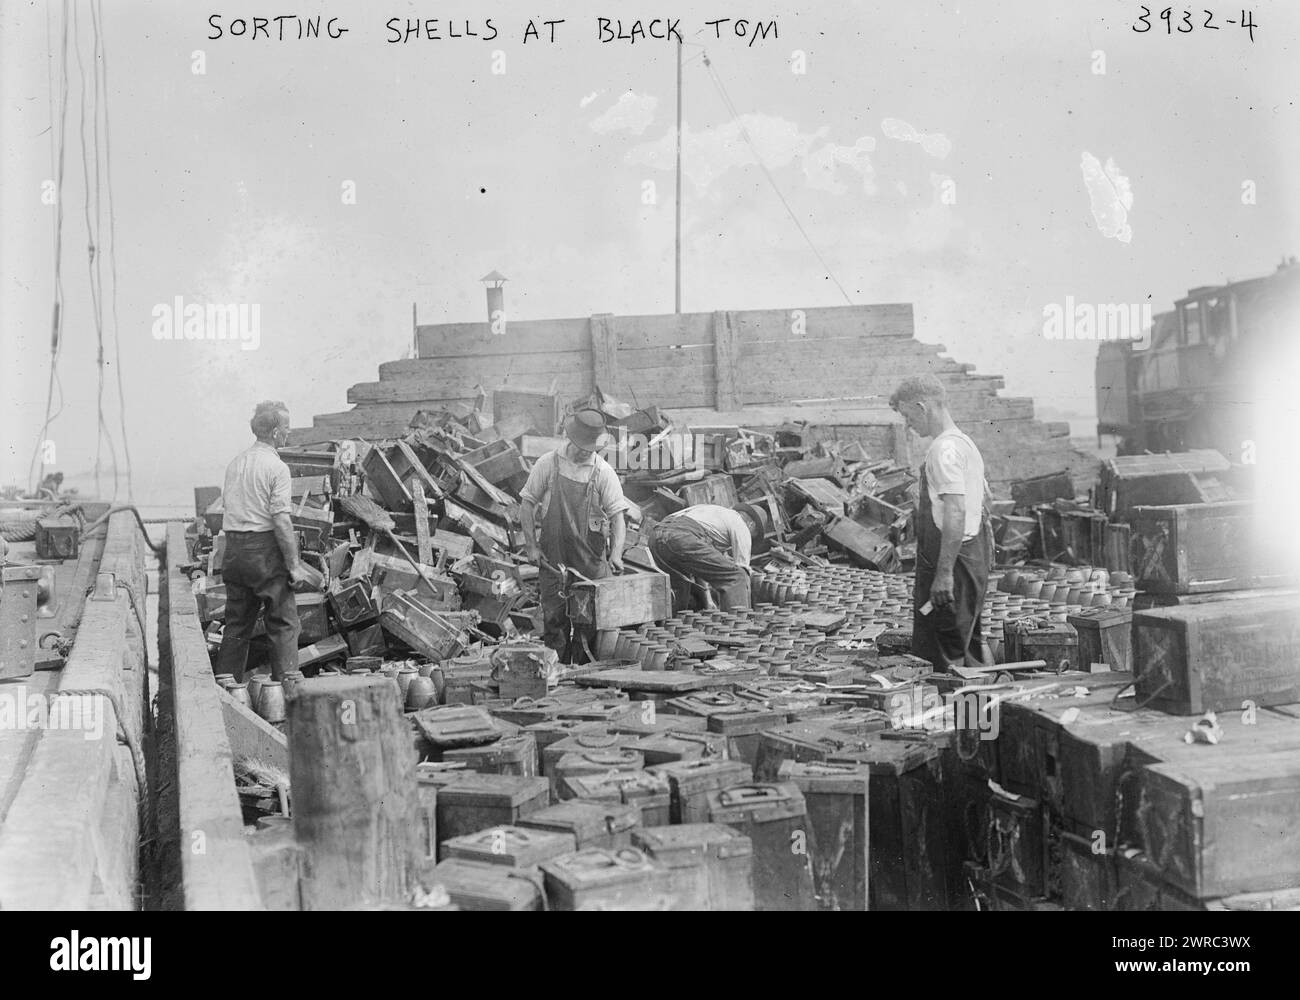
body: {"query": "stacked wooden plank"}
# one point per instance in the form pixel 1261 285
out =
pixel 835 366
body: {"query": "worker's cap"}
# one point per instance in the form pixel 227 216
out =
pixel 586 429
pixel 754 520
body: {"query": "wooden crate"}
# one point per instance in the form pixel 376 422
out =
pixel 1083 533
pixel 1197 548
pixel 1141 888
pixel 1215 825
pixel 1145 601
pixel 1016 843
pixel 865 547
pixel 1216 656
pixel 1085 871
pixel 1015 534
pixel 1029 734
pixel 1105 637
pixel 1055 643
pixel 839 820
pixel 1132 480
pixel 616 601
pixel 1118 539
pixel 57 537
pixel 909 842
pixel 1042 489
pixel 719 489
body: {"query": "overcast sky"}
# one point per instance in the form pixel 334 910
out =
pixel 228 186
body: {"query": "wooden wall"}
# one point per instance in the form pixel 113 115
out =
pixel 840 356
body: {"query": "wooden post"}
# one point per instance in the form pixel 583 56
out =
pixel 724 359
pixel 423 543
pixel 677 189
pixel 352 776
pixel 902 452
pixel 604 353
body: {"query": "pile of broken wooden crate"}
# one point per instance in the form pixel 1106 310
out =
pixel 1045 519
pixel 452 575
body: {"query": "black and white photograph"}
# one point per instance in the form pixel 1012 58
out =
pixel 476 456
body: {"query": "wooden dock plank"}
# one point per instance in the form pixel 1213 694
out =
pixel 215 860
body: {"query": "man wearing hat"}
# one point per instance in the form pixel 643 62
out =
pixel 706 544
pixel 582 521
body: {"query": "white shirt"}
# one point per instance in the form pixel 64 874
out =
pixel 726 529
pixel 609 492
pixel 954 465
pixel 257 488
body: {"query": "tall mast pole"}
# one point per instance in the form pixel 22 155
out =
pixel 677 286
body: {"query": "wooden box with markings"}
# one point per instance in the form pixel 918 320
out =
pixel 1221 824
pixel 616 601
pixel 1203 547
pixel 1215 657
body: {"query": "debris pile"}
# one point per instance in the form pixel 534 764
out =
pixel 418 542
pixel 673 771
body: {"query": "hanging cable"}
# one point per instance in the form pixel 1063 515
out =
pixel 735 115
pixel 92 248
pixel 90 238
pixel 56 324
pixel 112 255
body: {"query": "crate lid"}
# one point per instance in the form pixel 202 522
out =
pixel 687 844
pixel 494 789
pixel 756 802
pixel 703 773
pixel 507 844
pixel 741 721
pixel 1101 617
pixel 890 756
pixel 848 777
pixel 585 819
pixel 477 882
pixel 594 867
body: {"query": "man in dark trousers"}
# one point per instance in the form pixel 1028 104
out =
pixel 707 544
pixel 954 540
pixel 582 522
pixel 260 564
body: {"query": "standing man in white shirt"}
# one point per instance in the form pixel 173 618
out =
pixel 706 543
pixel 954 540
pixel 261 563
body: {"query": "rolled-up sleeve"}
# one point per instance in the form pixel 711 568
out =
pixel 280 500
pixel 539 480
pixel 610 490
pixel 945 468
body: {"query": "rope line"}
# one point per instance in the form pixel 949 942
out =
pixel 56 324
pixel 735 115
pixel 112 254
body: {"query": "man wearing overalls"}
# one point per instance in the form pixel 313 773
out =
pixel 582 512
pixel 954 539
